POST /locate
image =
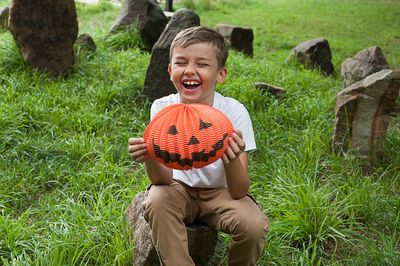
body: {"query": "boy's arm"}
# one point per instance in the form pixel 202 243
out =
pixel 236 167
pixel 157 173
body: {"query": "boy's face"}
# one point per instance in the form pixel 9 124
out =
pixel 194 71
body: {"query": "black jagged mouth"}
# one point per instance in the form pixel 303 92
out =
pixel 201 156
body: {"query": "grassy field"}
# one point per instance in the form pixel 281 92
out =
pixel 66 177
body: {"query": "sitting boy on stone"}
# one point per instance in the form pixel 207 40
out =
pixel 217 194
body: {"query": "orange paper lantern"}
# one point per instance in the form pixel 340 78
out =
pixel 182 136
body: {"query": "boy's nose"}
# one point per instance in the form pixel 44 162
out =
pixel 190 69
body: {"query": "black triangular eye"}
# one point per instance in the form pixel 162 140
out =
pixel 193 140
pixel 172 130
pixel 204 125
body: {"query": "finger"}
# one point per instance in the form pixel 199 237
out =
pixel 242 147
pixel 142 159
pixel 234 147
pixel 230 154
pixel 225 159
pixel 136 147
pixel 239 141
pixel 239 133
pixel 137 154
pixel 133 141
pixel 238 145
pixel 238 138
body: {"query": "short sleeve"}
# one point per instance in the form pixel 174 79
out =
pixel 160 103
pixel 239 116
pixel 241 121
pixel 155 108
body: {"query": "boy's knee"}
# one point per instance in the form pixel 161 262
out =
pixel 155 200
pixel 262 226
pixel 253 228
pixel 159 201
pixel 258 228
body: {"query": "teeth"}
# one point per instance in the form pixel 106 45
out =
pixel 191 83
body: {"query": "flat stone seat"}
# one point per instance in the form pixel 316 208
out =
pixel 201 238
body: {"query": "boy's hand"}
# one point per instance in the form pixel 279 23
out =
pixel 236 146
pixel 137 150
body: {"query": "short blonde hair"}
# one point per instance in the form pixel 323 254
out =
pixel 200 34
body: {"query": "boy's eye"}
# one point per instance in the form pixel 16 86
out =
pixel 180 63
pixel 202 64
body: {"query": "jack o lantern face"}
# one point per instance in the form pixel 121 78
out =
pixel 192 139
pixel 196 157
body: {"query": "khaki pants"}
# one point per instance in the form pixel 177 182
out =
pixel 169 208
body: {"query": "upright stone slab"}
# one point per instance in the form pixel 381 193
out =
pixel 362 114
pixel 238 38
pixel 4 13
pixel 157 83
pixel 201 239
pixel 314 54
pixel 364 63
pixel 146 15
pixel 45 32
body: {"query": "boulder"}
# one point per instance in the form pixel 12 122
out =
pixel 85 42
pixel 45 32
pixel 364 63
pixel 157 82
pixel 314 54
pixel 237 38
pixel 275 91
pixel 362 114
pixel 4 13
pixel 202 239
pixel 144 14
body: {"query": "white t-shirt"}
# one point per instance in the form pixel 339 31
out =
pixel 212 175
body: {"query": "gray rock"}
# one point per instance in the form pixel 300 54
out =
pixel 202 239
pixel 4 13
pixel 45 32
pixel 363 64
pixel 144 252
pixel 362 114
pixel 86 42
pixel 275 91
pixel 157 82
pixel 314 54
pixel 146 15
pixel 238 38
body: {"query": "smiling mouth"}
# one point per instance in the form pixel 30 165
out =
pixel 191 85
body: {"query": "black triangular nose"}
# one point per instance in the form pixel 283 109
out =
pixel 204 125
pixel 193 140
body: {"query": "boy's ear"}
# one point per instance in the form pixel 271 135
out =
pixel 169 69
pixel 222 73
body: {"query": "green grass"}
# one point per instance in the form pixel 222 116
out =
pixel 66 177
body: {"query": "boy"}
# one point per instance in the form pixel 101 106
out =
pixel 215 195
